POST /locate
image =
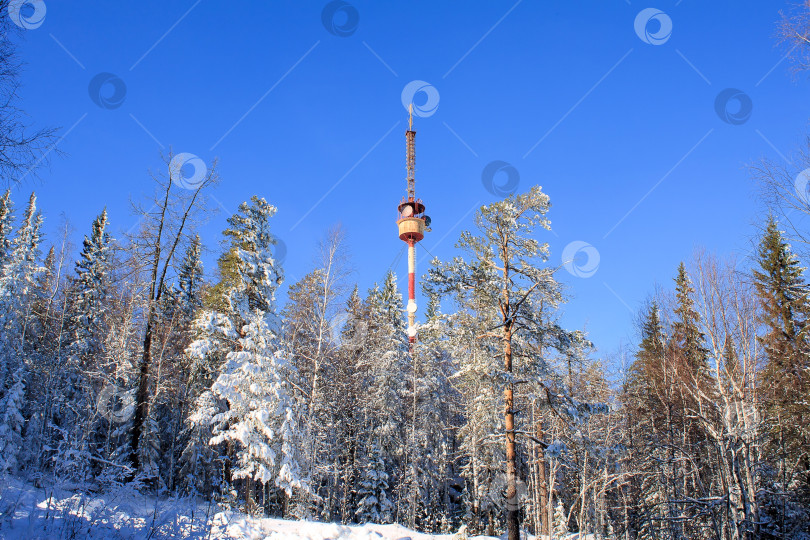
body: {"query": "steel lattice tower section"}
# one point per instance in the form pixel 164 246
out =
pixel 412 224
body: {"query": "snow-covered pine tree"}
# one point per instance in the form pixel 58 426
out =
pixel 505 279
pixel 387 357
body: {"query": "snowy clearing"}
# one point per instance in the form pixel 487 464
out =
pixel 32 514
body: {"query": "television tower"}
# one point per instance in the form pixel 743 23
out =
pixel 412 223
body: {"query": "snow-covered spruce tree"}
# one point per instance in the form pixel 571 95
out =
pixel 18 291
pixel 560 522
pixel 784 380
pixel 260 426
pixel 73 417
pixel 87 325
pixel 504 278
pixel 12 422
pixel 374 504
pixel 261 420
pixel 387 356
pixel 6 225
pixel 646 396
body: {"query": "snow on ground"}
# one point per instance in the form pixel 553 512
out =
pixel 241 526
pixel 29 513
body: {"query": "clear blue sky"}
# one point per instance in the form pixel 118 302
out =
pixel 614 116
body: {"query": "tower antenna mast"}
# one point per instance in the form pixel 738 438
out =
pixel 412 224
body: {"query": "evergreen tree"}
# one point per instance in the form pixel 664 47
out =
pixel 560 522
pixel 18 286
pixel 190 281
pixel 387 357
pixel 504 278
pixel 6 224
pixel 784 381
pixel 352 380
pixel 12 422
pixel 260 422
pixel 785 378
pixel 688 338
pixel 199 473
pixel 373 504
pixel 261 417
pixel 91 288
pixel 648 400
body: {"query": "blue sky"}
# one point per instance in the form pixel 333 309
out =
pixel 620 128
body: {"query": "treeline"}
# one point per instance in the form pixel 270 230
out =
pixel 124 364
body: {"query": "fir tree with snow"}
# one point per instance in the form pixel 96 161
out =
pixel 87 324
pixel 12 422
pixel 373 503
pixel 6 225
pixel 18 288
pixel 560 521
pixel 261 418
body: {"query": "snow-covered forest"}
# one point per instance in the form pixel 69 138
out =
pixel 316 410
pixel 144 395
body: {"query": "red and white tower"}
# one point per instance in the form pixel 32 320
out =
pixel 412 223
